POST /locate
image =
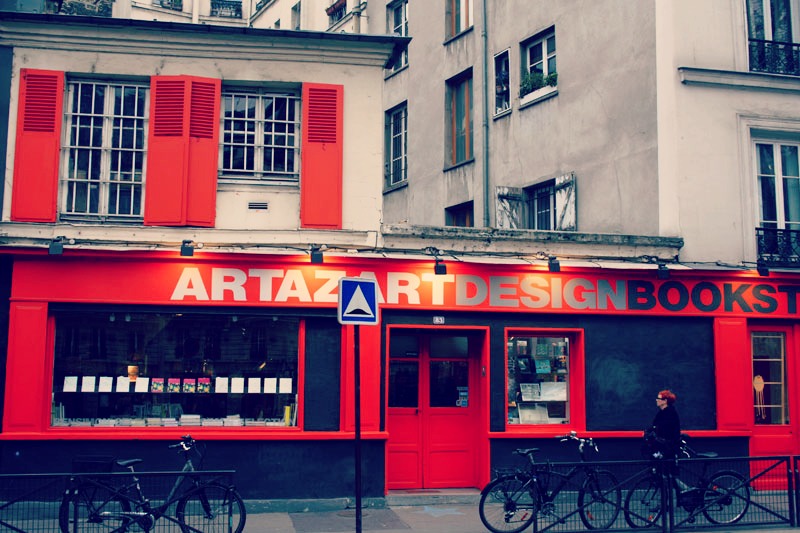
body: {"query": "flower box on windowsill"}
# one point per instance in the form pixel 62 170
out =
pixel 537 95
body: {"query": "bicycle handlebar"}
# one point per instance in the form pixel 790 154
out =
pixel 582 442
pixel 186 443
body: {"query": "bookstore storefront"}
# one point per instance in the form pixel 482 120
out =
pixel 120 355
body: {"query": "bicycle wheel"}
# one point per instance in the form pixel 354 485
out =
pixel 211 508
pixel 508 504
pixel 91 507
pixel 727 498
pixel 599 499
pixel 643 502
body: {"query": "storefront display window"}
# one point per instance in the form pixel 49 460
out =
pixel 770 395
pixel 538 379
pixel 168 369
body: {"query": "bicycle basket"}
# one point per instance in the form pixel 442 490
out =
pixel 87 464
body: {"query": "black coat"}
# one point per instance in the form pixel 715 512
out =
pixel 667 429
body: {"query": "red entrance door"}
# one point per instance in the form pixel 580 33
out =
pixel 433 415
pixel 776 420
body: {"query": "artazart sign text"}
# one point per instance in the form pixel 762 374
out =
pixel 543 292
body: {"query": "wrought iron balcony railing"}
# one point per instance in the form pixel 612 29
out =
pixel 778 247
pixel 175 5
pixel 226 8
pixel 775 57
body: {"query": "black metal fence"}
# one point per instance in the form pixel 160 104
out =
pixel 721 494
pixel 39 503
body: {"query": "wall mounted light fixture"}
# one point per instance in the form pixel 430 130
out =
pixel 317 257
pixel 663 271
pixel 553 265
pixel 56 246
pixel 762 268
pixel 440 269
pixel 187 248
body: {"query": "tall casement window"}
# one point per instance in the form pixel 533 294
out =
pixel 773 31
pixel 459 114
pixel 539 62
pixel 459 16
pixel 396 145
pixel 779 185
pixel 398 25
pixel 539 369
pixel 102 171
pixel 540 201
pixel 770 393
pixel 502 93
pixel 260 136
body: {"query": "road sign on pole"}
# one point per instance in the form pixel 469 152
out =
pixel 358 305
pixel 358 301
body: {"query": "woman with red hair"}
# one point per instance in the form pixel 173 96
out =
pixel 667 425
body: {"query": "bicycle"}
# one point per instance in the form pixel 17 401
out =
pixel 722 497
pixel 511 502
pixel 93 503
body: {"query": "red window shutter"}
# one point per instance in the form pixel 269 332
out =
pixel 182 151
pixel 35 189
pixel 203 152
pixel 322 150
pixel 167 148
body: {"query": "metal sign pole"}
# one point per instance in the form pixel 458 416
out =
pixel 357 383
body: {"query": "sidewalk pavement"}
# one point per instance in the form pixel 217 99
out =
pixel 412 512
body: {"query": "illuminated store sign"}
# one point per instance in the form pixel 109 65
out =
pixel 544 292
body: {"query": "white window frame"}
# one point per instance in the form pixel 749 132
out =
pixel 257 146
pixel 397 145
pixel 781 180
pixel 794 7
pixel 502 82
pixel 94 183
pixel 397 24
pixel 542 40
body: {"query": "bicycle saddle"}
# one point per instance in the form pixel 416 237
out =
pixel 125 463
pixel 526 451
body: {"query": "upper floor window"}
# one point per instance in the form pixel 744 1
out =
pixel 502 94
pixel 539 62
pixel 540 200
pixel 398 25
pixel 296 11
pixel 226 8
pixel 549 205
pixel 459 118
pixel 103 154
pixel 779 185
pixel 459 16
pixel 460 215
pixel 336 11
pixel 773 31
pixel 396 145
pixel 260 136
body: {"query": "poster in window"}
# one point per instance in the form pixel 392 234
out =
pixel 524 365
pixel 554 391
pixel 141 385
pixel 203 385
pixel 532 414
pixel 71 383
pixel 189 385
pixel 221 385
pixel 174 385
pixel 542 365
pixel 88 383
pixel 531 392
pixel 157 385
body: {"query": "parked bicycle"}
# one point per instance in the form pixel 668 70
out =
pixel 511 502
pixel 723 497
pixel 95 503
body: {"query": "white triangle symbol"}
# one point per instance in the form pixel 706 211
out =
pixel 358 305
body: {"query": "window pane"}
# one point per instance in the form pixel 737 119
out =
pixel 770 395
pixel 403 384
pixel 449 383
pixel 538 379
pixel 156 369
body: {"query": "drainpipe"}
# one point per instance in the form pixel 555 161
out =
pixel 357 14
pixel 485 36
